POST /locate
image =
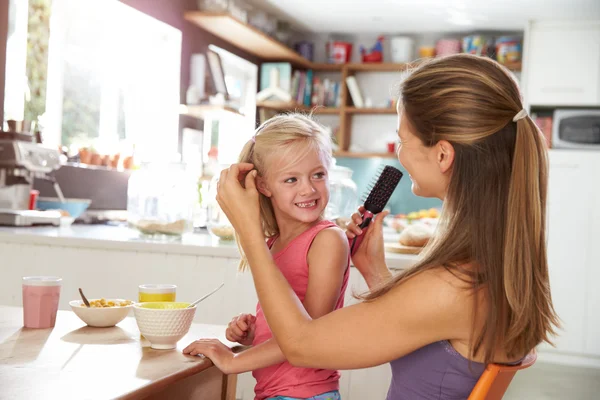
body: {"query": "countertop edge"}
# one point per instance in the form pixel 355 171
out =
pixel 122 239
pixel 122 245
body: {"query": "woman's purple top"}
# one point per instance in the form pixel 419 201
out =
pixel 435 371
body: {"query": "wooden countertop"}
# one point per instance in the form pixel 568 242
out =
pixel 74 361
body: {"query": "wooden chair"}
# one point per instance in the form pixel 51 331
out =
pixel 495 379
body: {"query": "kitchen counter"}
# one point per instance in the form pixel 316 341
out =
pixel 106 237
pixel 74 361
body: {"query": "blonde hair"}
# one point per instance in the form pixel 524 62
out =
pixel 494 212
pixel 289 137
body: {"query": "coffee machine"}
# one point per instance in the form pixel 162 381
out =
pixel 22 160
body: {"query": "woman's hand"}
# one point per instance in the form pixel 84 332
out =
pixel 369 258
pixel 241 329
pixel 240 203
pixel 217 352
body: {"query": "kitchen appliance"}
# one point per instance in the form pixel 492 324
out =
pixel 105 187
pixel 22 160
pixel 576 129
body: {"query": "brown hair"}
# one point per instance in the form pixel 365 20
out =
pixel 494 212
pixel 291 137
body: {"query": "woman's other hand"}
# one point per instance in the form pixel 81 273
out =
pixel 369 258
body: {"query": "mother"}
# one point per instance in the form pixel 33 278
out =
pixel 479 292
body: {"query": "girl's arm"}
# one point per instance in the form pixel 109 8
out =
pixel 327 261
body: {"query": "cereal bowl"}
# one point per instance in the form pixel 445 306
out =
pixel 101 317
pixel 163 323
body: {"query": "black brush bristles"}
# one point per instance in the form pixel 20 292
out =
pixel 382 189
pixel 379 195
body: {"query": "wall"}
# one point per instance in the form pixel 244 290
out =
pixel 403 200
pixel 4 5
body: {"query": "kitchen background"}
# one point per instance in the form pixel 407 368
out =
pixel 126 90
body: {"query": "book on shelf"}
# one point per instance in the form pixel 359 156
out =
pixel 354 91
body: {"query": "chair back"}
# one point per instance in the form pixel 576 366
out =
pixel 495 379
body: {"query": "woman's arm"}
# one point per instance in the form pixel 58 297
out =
pixel 427 308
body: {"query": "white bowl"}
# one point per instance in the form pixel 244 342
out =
pixel 164 324
pixel 100 317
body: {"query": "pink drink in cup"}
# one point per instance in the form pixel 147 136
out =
pixel 40 301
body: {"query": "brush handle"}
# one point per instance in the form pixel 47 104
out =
pixel 367 218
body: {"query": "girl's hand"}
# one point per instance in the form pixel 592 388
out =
pixel 241 329
pixel 369 258
pixel 220 355
pixel 240 203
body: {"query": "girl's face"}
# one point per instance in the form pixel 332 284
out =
pixel 428 167
pixel 299 192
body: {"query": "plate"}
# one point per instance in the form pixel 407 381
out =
pixel 401 249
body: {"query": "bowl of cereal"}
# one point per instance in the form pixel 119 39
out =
pixel 163 323
pixel 102 313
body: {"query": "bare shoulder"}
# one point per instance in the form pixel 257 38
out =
pixel 439 296
pixel 331 239
pixel 329 246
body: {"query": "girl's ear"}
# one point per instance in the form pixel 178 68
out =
pixel 261 185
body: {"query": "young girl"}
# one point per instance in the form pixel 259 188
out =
pixel 292 155
pixel 479 292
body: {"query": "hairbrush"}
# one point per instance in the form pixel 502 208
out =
pixel 378 197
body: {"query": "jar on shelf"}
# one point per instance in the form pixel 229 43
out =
pixel 343 195
pixel 161 199
pixel 217 222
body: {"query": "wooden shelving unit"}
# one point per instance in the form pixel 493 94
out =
pixel 202 111
pixel 287 107
pixel 364 155
pixel 371 111
pixel 245 37
pixel 257 43
pixel 253 41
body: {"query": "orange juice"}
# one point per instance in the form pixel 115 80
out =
pixel 157 292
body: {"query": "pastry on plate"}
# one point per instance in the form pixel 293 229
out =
pixel 416 235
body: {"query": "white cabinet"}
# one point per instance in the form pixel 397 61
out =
pixel 562 63
pixel 592 339
pixel 574 250
pixel 568 226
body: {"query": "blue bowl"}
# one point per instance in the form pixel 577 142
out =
pixel 75 207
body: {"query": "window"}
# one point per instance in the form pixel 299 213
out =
pixel 113 80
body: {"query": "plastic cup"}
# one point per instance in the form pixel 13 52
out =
pixel 157 292
pixel 40 301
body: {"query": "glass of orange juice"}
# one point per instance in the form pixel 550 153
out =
pixel 157 292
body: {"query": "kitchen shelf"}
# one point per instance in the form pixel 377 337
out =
pixel 383 67
pixel 245 37
pixel 251 40
pixel 350 154
pixel 203 111
pixel 280 106
pixel 514 66
pixel 354 110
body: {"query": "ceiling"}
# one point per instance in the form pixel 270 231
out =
pixel 415 16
